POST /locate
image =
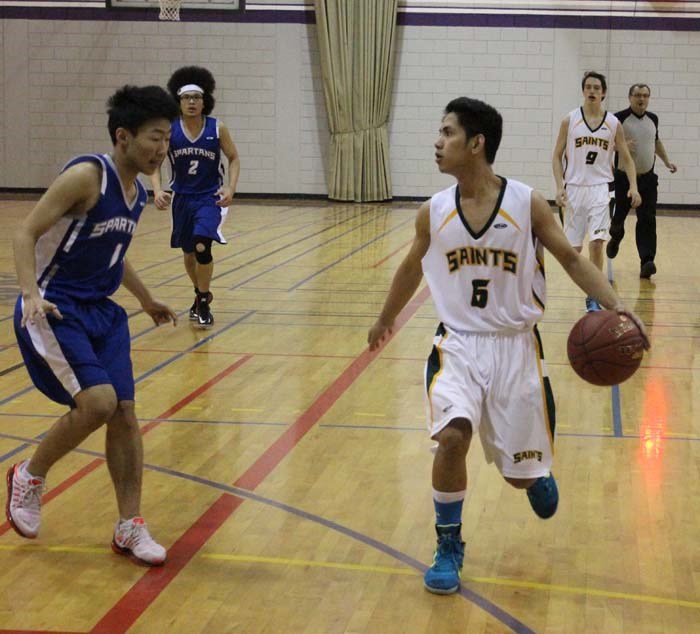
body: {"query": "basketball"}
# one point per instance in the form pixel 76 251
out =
pixel 605 348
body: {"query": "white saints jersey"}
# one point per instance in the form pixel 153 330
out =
pixel 491 281
pixel 589 153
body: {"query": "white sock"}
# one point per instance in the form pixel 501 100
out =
pixel 25 473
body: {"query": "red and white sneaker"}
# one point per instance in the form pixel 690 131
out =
pixel 132 539
pixel 23 507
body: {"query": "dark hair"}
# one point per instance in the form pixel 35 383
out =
pixel 194 75
pixel 477 117
pixel 633 86
pixel 594 75
pixel 132 106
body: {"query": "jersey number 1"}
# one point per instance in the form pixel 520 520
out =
pixel 116 254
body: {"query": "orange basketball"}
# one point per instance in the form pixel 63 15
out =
pixel 605 348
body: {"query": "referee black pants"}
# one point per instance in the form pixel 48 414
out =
pixel 648 185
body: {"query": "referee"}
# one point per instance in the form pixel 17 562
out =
pixel 642 133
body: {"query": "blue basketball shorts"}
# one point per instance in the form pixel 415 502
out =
pixel 196 215
pixel 89 346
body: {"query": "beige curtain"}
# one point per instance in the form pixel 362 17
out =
pixel 356 42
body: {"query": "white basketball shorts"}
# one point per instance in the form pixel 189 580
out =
pixel 588 212
pixel 499 383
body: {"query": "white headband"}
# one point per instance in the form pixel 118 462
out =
pixel 190 88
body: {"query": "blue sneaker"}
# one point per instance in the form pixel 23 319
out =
pixel 443 576
pixel 591 305
pixel 544 496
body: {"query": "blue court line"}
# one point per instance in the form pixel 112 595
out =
pixel 160 366
pixel 395 428
pixel 26 443
pixel 490 608
pixel 199 344
pixel 237 253
pixel 267 253
pixel 297 256
pixel 11 315
pixel 129 316
pixel 194 421
pixel 16 450
pixel 615 390
pixel 345 257
pixel 235 234
pixel 616 412
pixel 22 392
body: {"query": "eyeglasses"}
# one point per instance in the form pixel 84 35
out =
pixel 195 97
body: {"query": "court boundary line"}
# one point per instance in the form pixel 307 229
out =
pixel 144 429
pixel 414 566
pixel 139 597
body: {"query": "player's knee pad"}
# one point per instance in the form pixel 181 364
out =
pixel 202 250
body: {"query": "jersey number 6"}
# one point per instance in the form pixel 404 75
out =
pixel 480 295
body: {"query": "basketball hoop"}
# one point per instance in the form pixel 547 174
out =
pixel 169 10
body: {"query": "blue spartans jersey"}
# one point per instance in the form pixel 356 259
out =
pixel 589 153
pixel 82 257
pixel 491 281
pixel 195 163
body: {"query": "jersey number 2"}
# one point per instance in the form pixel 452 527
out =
pixel 480 294
pixel 193 168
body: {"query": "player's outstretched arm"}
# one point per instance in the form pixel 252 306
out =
pixel 405 282
pixel 74 192
pixel 579 268
pixel 159 312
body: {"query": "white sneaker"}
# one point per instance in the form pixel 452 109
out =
pixel 132 539
pixel 23 507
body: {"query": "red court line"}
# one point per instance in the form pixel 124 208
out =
pixel 140 596
pixel 393 253
pixel 90 467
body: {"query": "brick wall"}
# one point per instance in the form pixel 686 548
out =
pixel 56 76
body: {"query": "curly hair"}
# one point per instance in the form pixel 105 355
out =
pixel 194 75
pixel 132 106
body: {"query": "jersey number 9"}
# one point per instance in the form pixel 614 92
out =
pixel 591 157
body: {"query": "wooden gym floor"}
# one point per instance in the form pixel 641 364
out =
pixel 288 471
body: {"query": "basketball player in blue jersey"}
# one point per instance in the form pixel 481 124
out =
pixel 70 257
pixel 479 245
pixel 583 169
pixel 201 197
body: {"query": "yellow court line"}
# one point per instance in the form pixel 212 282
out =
pixel 307 563
pixel 55 549
pixel 280 561
pixel 645 598
pixel 245 409
pixel 679 435
pixel 532 585
pixel 370 414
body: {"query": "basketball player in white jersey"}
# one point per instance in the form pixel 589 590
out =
pixel 583 168
pixel 479 244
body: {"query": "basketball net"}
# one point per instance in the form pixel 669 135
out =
pixel 169 10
